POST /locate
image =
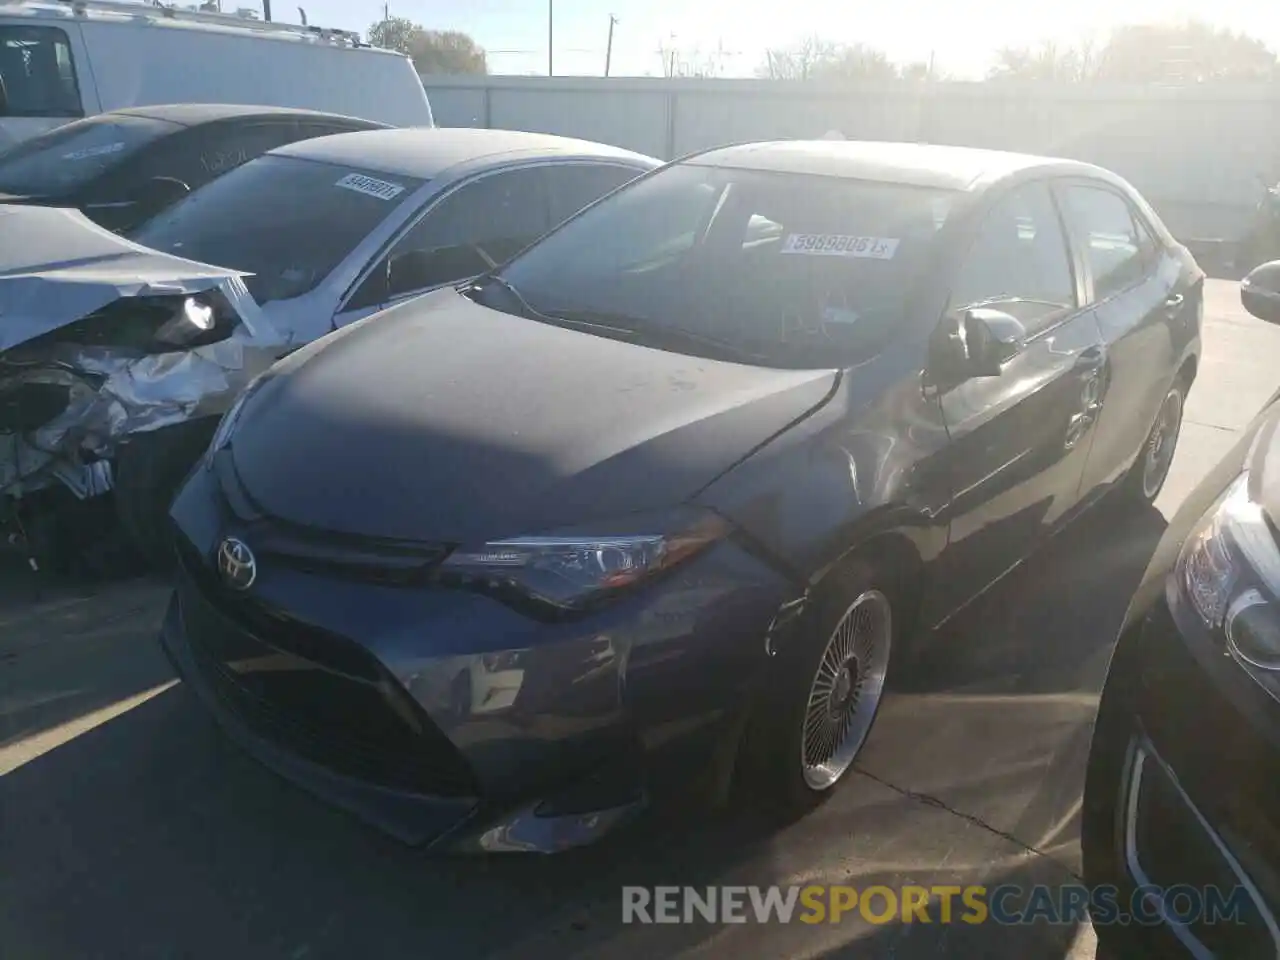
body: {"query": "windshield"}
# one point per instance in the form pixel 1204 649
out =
pixel 68 157
pixel 285 220
pixel 791 269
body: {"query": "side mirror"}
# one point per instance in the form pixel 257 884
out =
pixel 1260 292
pixel 991 338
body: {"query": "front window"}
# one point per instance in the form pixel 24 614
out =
pixel 70 156
pixel 285 220
pixel 781 269
pixel 37 74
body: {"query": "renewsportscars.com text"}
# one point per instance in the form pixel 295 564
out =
pixel 1007 904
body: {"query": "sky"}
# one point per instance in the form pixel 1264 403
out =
pixel 961 37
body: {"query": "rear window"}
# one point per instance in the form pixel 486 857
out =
pixel 285 220
pixel 39 76
pixel 71 156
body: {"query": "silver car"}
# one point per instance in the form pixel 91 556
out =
pixel 118 354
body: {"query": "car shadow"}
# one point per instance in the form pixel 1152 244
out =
pixel 149 835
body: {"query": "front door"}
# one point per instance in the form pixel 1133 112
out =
pixel 1018 438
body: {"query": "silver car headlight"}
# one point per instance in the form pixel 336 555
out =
pixel 573 569
pixel 1229 574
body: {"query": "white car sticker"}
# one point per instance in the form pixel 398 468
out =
pixel 382 189
pixel 87 152
pixel 840 245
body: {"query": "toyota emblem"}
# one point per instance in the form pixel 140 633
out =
pixel 236 564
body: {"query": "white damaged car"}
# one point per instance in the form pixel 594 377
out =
pixel 118 355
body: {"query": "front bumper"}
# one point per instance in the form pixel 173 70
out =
pixel 1182 790
pixel 450 720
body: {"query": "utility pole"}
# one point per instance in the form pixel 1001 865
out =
pixel 551 38
pixel 608 50
pixel 266 10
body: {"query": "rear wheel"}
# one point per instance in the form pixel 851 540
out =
pixel 1147 475
pixel 148 471
pixel 815 716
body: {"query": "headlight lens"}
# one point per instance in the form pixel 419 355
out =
pixel 196 321
pixel 573 569
pixel 1229 572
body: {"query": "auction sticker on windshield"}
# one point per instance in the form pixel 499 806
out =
pixel 104 150
pixel 370 186
pixel 840 245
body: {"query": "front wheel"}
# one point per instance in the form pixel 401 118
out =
pixel 1147 476
pixel 820 705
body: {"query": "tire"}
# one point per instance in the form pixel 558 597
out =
pixel 1149 472
pixel 852 613
pixel 149 469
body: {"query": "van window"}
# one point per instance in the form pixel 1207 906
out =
pixel 74 154
pixel 37 76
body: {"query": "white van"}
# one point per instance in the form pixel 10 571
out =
pixel 62 59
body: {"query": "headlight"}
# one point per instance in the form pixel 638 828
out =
pixel 1229 572
pixel 196 321
pixel 575 568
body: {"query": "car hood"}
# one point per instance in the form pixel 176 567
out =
pixel 57 266
pixel 442 420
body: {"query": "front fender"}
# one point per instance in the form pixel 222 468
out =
pixel 870 463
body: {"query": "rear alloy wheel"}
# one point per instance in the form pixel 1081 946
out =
pixel 823 692
pixel 1152 466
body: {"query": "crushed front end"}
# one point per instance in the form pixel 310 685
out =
pixel 107 341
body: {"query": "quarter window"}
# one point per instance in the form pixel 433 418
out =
pixel 1019 261
pixel 37 76
pixel 1118 248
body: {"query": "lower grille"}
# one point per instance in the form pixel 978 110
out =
pixel 359 725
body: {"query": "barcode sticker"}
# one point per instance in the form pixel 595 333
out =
pixel 370 186
pixel 101 151
pixel 840 245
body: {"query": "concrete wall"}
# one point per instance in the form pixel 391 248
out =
pixel 1194 152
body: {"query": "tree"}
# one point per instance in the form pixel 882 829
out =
pixel 1192 52
pixel 817 59
pixel 432 51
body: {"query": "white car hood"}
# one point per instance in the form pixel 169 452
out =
pixel 57 266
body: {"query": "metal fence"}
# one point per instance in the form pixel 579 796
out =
pixel 1195 152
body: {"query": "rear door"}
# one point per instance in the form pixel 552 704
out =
pixel 1016 454
pixel 1137 291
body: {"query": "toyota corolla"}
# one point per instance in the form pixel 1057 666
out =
pixel 660 503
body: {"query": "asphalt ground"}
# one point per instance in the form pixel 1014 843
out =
pixel 129 828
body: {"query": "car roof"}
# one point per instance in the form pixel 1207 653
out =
pixel 192 114
pixel 426 152
pixel 909 164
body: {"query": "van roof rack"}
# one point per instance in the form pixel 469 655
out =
pixel 156 12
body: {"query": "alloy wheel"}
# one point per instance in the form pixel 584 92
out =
pixel 1158 455
pixel 846 690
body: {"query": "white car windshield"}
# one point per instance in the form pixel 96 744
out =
pixel 285 220
pixel 791 269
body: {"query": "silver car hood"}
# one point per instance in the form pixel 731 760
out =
pixel 57 266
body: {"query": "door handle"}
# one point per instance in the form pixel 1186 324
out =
pixel 1174 302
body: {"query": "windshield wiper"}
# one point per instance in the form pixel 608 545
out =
pixel 642 328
